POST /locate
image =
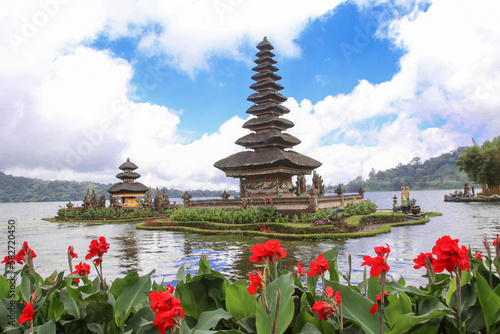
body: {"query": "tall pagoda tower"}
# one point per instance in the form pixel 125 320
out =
pixel 128 190
pixel 268 168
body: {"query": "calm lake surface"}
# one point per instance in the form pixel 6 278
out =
pixel 165 251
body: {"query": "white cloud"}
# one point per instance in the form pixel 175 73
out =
pixel 67 111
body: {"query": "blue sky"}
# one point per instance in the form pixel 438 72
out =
pixel 371 84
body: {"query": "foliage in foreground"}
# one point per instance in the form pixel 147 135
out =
pixel 273 300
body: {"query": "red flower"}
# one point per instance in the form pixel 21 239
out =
pixel 478 256
pixel 329 292
pixel 27 314
pixel 82 269
pixel 323 309
pixel 168 309
pixel 496 241
pixel 302 271
pixel 449 255
pixel 255 282
pixel 7 260
pixel 270 250
pixel 97 248
pixel 381 250
pixel 421 260
pixel 377 264
pixel 377 298
pixel 334 296
pixel 25 251
pixel 71 252
pixel 319 266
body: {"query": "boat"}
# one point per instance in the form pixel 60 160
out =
pixel 477 198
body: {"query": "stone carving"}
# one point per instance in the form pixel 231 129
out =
pixel 93 199
pixel 300 188
pixel 361 191
pixel 336 214
pixel 86 200
pixel 165 199
pixel 69 205
pixel 318 183
pixel 102 201
pixel 340 191
pixel 148 200
pixel 158 200
pixel 225 195
pixel 186 198
pixel 313 191
pixel 112 201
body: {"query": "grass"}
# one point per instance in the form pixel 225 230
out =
pixel 292 231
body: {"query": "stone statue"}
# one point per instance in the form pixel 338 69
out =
pixel 112 201
pixel 157 200
pixel 336 214
pixel 225 195
pixel 165 198
pixel 361 191
pixel 318 183
pixel 301 185
pixel 86 200
pixel 93 199
pixel 102 201
pixel 186 198
pixel 69 205
pixel 148 200
pixel 313 191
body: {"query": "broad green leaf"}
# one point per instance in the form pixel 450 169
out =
pixel 4 288
pixel 490 302
pixel 181 277
pixel 230 331
pixel 131 297
pixel 401 322
pixel 5 316
pixel 140 319
pixel 47 328
pixel 356 308
pixel 120 284
pixel 71 306
pixel 96 328
pixel 265 321
pixel 239 302
pixel 304 322
pixel 25 287
pixel 98 312
pixel 194 299
pixel 333 269
pixel 453 285
pixel 210 319
pixel 55 308
pixel 309 328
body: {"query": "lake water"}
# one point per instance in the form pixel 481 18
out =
pixel 166 251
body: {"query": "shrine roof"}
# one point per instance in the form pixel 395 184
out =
pixel 271 120
pixel 271 137
pixel 127 175
pixel 128 165
pixel 127 187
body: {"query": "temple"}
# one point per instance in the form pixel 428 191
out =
pixel 266 168
pixel 128 191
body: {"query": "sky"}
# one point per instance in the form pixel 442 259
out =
pixel 84 85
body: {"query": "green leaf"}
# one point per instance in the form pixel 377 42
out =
pixel 304 322
pixel 356 308
pixel 4 288
pixel 193 298
pixel 120 284
pixel 25 287
pixel 309 328
pixel 239 302
pixel 400 322
pixel 453 285
pixel 47 328
pixel 210 319
pixel 265 321
pixel 131 297
pixel 55 308
pixel 181 274
pixel 490 302
pixel 333 269
pixel 71 306
pixel 141 318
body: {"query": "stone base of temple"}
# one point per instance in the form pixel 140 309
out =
pixel 284 205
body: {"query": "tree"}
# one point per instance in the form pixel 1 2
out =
pixel 482 163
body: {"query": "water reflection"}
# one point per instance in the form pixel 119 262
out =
pixel 166 251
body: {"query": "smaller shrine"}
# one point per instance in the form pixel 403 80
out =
pixel 128 192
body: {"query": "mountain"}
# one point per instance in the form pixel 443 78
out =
pixel 16 189
pixel 436 173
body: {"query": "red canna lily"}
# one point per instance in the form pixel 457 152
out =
pixel 318 266
pixel 478 255
pixel 255 282
pixel 381 250
pixel 270 250
pixel 323 309
pixel 449 255
pixel 377 264
pixel 168 309
pixel 421 260
pixel 377 298
pixel 71 252
pixel 82 269
pixel 27 314
pixel 302 271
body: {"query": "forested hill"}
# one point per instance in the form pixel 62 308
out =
pixel 23 189
pixel 436 173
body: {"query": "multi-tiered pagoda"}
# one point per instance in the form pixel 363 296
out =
pixel 267 170
pixel 128 190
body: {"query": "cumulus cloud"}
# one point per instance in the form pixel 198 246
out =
pixel 68 109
